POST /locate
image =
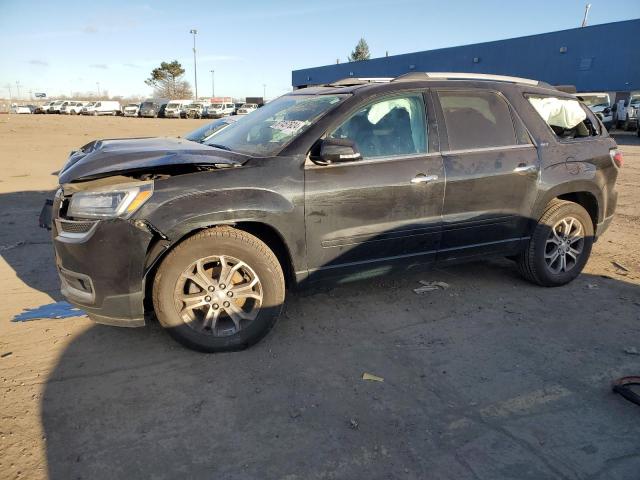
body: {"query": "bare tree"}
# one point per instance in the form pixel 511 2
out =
pixel 167 81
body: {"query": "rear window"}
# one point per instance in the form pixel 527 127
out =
pixel 477 119
pixel 566 117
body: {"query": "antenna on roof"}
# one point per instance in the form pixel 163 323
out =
pixel 586 14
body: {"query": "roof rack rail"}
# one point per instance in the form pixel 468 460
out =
pixel 467 76
pixel 352 81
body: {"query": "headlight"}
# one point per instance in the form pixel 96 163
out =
pixel 116 201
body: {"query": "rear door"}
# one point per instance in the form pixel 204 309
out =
pixel 492 171
pixel 385 208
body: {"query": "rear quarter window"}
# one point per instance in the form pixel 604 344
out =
pixel 477 119
pixel 567 118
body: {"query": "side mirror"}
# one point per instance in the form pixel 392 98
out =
pixel 606 111
pixel 338 150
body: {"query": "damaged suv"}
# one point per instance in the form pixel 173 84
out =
pixel 344 181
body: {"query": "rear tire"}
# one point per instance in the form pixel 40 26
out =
pixel 194 272
pixel 560 245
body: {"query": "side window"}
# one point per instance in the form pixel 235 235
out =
pixel 566 117
pixel 476 119
pixel 390 127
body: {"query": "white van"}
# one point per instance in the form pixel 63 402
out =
pixel 219 110
pixel 102 107
pixel 176 109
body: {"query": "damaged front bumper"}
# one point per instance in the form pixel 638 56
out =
pixel 101 264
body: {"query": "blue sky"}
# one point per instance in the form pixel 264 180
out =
pixel 60 47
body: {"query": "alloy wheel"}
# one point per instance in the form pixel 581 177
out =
pixel 564 245
pixel 218 295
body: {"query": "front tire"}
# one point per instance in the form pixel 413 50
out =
pixel 220 290
pixel 560 245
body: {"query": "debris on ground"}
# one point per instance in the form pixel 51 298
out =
pixel 430 286
pixel 353 424
pixel 632 351
pixel 6 354
pixel 372 377
pixel 52 310
pixel 592 286
pixel 9 247
pixel 622 386
pixel 620 266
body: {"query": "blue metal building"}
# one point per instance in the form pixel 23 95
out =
pixel 596 58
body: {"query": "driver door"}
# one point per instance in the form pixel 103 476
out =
pixel 385 207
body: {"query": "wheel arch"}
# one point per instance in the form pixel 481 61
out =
pixel 265 232
pixel 584 194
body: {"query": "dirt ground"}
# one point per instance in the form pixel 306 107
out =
pixel 492 378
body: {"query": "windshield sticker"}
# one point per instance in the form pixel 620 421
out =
pixel 288 126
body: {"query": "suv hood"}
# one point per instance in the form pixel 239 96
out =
pixel 104 158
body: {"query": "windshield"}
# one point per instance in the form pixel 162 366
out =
pixel 270 128
pixel 173 105
pixel 147 105
pixel 595 100
pixel 194 105
pixel 249 105
pixel 216 105
pixel 635 101
pixel 134 105
pixel 205 132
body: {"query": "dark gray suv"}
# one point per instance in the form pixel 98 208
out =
pixel 336 182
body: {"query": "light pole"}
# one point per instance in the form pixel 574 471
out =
pixel 18 88
pixel 194 32
pixel 213 89
pixel 264 91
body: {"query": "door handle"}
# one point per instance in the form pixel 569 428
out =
pixel 524 169
pixel 422 178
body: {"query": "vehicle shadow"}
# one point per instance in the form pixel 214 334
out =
pixel 490 378
pixel 26 247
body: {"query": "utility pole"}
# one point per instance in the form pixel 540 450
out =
pixel 264 92
pixel 18 88
pixel 213 89
pixel 194 32
pixel 10 96
pixel 98 88
pixel 586 14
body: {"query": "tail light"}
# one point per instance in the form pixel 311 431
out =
pixel 616 157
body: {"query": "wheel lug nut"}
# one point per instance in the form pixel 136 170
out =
pixel 222 286
pixel 230 293
pixel 226 304
pixel 216 306
pixel 207 299
pixel 211 288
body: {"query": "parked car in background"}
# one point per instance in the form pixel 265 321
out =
pixel 72 108
pixel 625 111
pixel 247 108
pixel 31 107
pixel 221 107
pixel 131 110
pixel 176 109
pixel 600 105
pixel 197 109
pixel 88 108
pixel 102 107
pixel 207 131
pixel 335 183
pixel 21 109
pixel 153 107
pixel 42 109
pixel 237 106
pixel 55 106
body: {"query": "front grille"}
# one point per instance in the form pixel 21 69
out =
pixel 74 227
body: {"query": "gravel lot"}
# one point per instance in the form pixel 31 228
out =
pixel 490 379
